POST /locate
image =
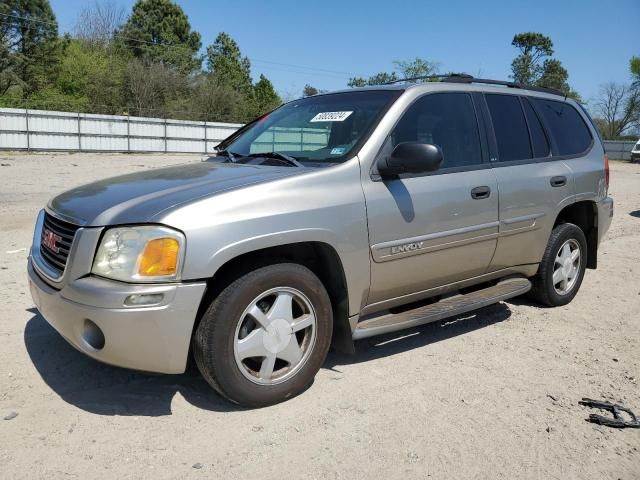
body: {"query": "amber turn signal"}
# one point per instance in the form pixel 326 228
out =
pixel 159 258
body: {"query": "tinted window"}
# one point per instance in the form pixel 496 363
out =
pixel 510 127
pixel 538 137
pixel 566 125
pixel 447 120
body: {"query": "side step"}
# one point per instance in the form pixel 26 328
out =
pixel 448 307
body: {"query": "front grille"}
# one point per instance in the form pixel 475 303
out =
pixel 59 235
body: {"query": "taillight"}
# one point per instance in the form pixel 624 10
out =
pixel 606 171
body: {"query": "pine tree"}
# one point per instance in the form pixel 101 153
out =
pixel 158 31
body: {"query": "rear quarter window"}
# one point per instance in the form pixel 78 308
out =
pixel 566 125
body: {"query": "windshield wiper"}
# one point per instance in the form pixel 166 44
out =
pixel 278 156
pixel 229 154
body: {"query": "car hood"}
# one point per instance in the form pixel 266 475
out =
pixel 142 196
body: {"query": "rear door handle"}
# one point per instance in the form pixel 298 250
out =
pixel 479 193
pixel 559 181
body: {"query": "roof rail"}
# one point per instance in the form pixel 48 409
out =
pixel 465 78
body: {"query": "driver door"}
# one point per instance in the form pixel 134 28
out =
pixel 429 230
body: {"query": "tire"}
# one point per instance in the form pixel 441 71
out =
pixel 234 350
pixel 545 290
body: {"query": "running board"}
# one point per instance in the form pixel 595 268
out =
pixel 443 309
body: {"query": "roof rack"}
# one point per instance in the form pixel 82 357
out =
pixel 465 78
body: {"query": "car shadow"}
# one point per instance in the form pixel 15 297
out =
pixel 635 213
pixel 105 390
pixel 419 337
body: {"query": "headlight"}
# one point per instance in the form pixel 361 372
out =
pixel 140 254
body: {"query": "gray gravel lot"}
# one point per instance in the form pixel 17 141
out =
pixel 490 395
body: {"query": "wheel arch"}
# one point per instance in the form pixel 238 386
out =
pixel 318 256
pixel 584 214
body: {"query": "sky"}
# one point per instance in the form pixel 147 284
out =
pixel 323 43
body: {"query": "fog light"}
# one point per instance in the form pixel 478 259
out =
pixel 92 335
pixel 143 299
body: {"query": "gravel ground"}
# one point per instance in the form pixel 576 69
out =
pixel 491 395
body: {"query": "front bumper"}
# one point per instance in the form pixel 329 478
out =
pixel 151 338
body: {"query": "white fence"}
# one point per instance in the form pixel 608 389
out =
pixel 22 129
pixel 619 149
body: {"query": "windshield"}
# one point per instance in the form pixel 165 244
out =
pixel 324 128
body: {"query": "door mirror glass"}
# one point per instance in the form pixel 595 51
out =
pixel 411 157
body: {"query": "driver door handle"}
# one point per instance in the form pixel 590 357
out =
pixel 478 193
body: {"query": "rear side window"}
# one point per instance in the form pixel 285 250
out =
pixel 447 120
pixel 510 127
pixel 567 127
pixel 538 138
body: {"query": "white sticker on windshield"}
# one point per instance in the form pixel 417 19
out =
pixel 331 117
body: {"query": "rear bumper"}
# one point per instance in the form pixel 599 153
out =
pixel 605 214
pixel 151 338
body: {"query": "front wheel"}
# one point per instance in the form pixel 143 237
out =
pixel 263 339
pixel 562 267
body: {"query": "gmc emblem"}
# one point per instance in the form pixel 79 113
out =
pixel 49 240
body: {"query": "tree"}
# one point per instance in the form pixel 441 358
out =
pixel 211 98
pixel 159 31
pixel 617 109
pixel 93 76
pixel 151 87
pixel 535 65
pixel 634 66
pixel 309 91
pixel 29 46
pixel 417 67
pixel 98 23
pixel 225 60
pixel 380 78
pixel 265 96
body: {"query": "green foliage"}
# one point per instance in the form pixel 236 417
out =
pixel 417 67
pixel 535 65
pixel 148 66
pixel 158 31
pixel 29 46
pixel 634 67
pixel 225 60
pixel 309 91
pixel 265 96
pixel 92 75
pixel 377 79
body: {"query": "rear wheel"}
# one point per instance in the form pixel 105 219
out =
pixel 263 339
pixel 562 267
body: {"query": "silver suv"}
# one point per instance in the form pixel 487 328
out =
pixel 331 219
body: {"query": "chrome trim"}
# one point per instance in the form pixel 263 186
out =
pixel 386 251
pixel 40 265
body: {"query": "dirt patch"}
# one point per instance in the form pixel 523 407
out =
pixel 490 395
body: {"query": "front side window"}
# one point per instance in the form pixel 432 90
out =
pixel 571 134
pixel 510 127
pixel 444 119
pixel 323 128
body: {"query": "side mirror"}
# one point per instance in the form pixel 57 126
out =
pixel 411 157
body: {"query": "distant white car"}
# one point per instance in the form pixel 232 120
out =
pixel 635 152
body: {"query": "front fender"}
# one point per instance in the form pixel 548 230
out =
pixel 326 206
